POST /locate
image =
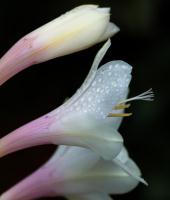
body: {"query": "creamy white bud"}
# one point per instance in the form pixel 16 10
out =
pixel 76 30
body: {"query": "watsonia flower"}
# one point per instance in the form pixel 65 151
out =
pixel 82 120
pixel 76 30
pixel 76 173
pixel 89 119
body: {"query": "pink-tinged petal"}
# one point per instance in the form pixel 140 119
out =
pixel 49 179
pixel 19 57
pixel 103 177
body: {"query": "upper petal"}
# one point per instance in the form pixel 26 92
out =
pixel 108 88
pixel 82 171
pixel 86 173
pixel 90 77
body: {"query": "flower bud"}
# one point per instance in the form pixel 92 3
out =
pixel 76 30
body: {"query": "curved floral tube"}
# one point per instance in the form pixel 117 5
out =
pixel 76 30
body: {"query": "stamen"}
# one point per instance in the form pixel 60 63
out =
pixel 121 106
pixel 146 96
pixel 119 114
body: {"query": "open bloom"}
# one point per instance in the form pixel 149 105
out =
pixel 76 30
pixel 88 119
pixel 76 173
pixel 82 120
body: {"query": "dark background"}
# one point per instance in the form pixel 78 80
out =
pixel 143 42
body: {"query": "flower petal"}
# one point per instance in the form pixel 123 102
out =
pixel 87 173
pixel 74 172
pixel 88 132
pixel 97 175
pixel 109 87
pixel 48 180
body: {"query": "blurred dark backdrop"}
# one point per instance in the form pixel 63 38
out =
pixel 143 42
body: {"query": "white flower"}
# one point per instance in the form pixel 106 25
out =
pixel 76 30
pixel 88 119
pixel 94 163
pixel 82 120
pixel 76 173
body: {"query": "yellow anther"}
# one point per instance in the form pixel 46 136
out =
pixel 121 106
pixel 119 114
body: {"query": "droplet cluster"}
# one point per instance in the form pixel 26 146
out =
pixel 109 87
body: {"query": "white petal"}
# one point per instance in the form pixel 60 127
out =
pixel 103 177
pixel 109 87
pixel 73 160
pixel 98 58
pixel 85 131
